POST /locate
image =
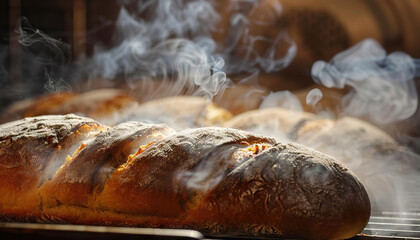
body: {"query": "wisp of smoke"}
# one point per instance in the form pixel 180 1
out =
pixel 44 65
pixel 313 97
pixel 383 90
pixel 156 47
pixel 281 48
pixel 4 74
pixel 172 41
pixel 382 85
pixel 282 99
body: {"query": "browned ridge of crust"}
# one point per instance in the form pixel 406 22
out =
pixel 155 177
pixel 84 175
pixel 215 180
pixel 29 149
pixel 305 193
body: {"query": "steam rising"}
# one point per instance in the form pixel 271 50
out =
pixel 281 48
pixel 388 171
pixel 383 90
pixel 173 42
pixel 313 97
pixel 146 50
pixel 45 64
pixel 208 173
pixel 383 86
pixel 282 99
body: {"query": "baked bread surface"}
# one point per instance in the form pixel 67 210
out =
pixel 31 151
pixel 388 170
pixel 216 180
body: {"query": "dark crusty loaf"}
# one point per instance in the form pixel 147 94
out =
pixel 215 180
pixel 31 150
pixel 377 159
pixel 386 169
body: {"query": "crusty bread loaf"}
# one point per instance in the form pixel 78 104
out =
pixel 374 156
pixel 48 104
pixel 179 112
pixel 98 104
pixel 113 106
pixel 42 105
pixel 241 97
pixel 279 123
pixel 386 168
pixel 31 150
pixel 215 180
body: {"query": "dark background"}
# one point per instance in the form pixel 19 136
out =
pixel 321 29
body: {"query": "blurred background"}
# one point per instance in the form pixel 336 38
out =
pixel 44 44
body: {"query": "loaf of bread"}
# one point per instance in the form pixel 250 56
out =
pixel 220 181
pixel 42 105
pixel 98 104
pixel 113 106
pixel 278 123
pixel 384 167
pixel 31 150
pixel 179 112
pixel 387 169
pixel 241 97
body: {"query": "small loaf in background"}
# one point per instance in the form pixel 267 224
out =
pixel 112 106
pixel 216 180
pixel 179 112
pixel 279 123
pixel 99 103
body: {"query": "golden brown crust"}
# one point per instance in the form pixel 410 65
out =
pixel 113 106
pixel 29 149
pixel 84 175
pixel 48 104
pixel 316 194
pixel 216 180
pixel 45 104
pixel 153 177
pixel 99 104
pixel 16 110
pixel 368 151
pixel 354 130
